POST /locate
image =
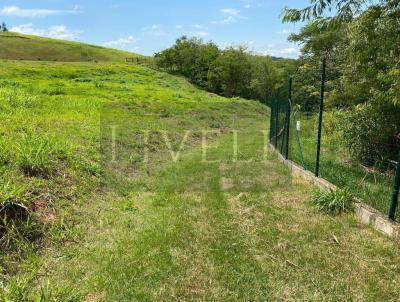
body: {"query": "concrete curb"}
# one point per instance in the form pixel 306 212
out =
pixel 364 213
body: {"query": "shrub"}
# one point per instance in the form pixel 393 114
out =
pixel 334 202
pixel 371 133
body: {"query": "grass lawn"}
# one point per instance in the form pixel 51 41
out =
pixel 225 230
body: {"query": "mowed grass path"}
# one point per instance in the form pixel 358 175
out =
pixel 220 246
pixel 248 234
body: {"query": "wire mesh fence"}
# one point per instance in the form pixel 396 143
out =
pixel 355 158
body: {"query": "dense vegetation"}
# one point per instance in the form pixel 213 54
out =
pixel 361 45
pixel 230 72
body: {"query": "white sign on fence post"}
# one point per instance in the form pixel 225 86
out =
pixel 298 126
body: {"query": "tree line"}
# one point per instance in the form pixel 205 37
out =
pixel 232 72
pixel 361 44
pixel 360 41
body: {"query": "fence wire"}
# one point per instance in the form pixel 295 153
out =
pixel 369 176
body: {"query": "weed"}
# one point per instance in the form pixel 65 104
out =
pixel 162 199
pixel 38 155
pixel 56 91
pixel 98 84
pixel 334 202
pixel 11 99
pixel 4 152
pixel 16 223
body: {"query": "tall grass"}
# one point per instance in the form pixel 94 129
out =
pixel 12 99
pixel 38 155
pixel 370 185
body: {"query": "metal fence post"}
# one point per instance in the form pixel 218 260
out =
pixel 276 122
pixel 288 113
pixel 321 112
pixel 271 121
pixel 395 193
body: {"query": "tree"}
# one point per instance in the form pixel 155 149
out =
pixel 230 74
pixel 167 59
pixel 189 57
pixel 263 78
pixel 207 54
pixel 4 27
pixel 361 43
pixel 345 10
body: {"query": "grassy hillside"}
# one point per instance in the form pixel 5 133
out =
pixel 15 46
pixel 132 230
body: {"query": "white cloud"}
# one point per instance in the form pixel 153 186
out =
pixel 225 21
pixel 200 33
pixel 284 32
pixel 193 30
pixel 197 27
pixel 122 43
pixel 281 50
pixel 250 3
pixel 155 30
pixel 232 16
pixel 57 32
pixel 16 11
pixel 230 11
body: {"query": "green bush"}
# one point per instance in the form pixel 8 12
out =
pixel 371 133
pixel 334 202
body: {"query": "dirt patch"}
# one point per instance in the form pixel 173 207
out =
pixel 249 219
pixel 44 212
pixel 98 297
pixel 226 184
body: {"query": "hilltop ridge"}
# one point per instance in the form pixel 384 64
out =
pixel 15 46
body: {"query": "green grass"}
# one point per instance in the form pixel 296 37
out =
pixel 369 185
pixel 226 231
pixel 15 46
pixel 334 202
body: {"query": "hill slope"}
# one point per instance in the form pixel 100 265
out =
pixel 15 46
pixel 211 226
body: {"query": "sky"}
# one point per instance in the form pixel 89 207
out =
pixel 149 26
